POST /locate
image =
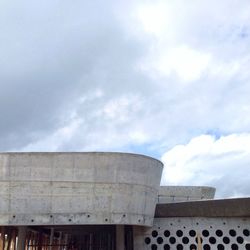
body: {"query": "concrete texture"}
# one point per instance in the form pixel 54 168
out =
pixel 183 233
pixel 168 194
pixel 78 188
pixel 239 207
pixel 120 237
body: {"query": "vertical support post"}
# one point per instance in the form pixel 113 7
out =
pixel 137 237
pixel 21 236
pixel 2 239
pixel 90 241
pixel 120 237
pixel 9 238
pixel 129 238
pixel 51 239
pixel 31 241
pixel 66 242
pixel 199 241
pixel 40 240
pixel 14 239
pixel 60 241
pixel 27 241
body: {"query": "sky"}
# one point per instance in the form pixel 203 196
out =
pixel 168 79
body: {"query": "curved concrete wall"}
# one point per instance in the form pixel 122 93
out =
pixel 168 194
pixel 78 188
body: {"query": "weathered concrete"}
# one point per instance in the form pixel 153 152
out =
pixel 120 237
pixel 185 233
pixel 78 188
pixel 168 194
pixel 239 207
pixel 139 237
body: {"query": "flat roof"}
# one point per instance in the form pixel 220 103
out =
pixel 82 153
pixel 238 207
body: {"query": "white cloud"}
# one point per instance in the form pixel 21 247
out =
pixel 120 109
pixel 187 63
pixel 193 38
pixel 154 17
pixel 205 160
pixel 138 136
pixel 55 140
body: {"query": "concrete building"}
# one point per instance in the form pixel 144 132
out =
pixel 110 201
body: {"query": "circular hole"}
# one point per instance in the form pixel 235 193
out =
pixel 147 240
pixel 219 233
pixel 106 219
pixel 171 224
pixel 88 215
pixel 246 232
pixel 220 247
pixel 185 240
pixel 197 223
pixel 166 247
pixel 139 220
pixel 206 247
pixel 205 233
pixel 51 216
pixel 238 226
pixel 240 239
pixel 247 246
pixel 193 247
pixel 124 215
pixel 166 233
pixel 69 219
pixel 153 246
pixel 179 233
pixel 232 232
pixel 32 220
pixel 235 247
pixel 14 216
pixel 159 240
pixel 179 247
pixel 172 240
pixel 154 233
pixel 184 227
pixel 192 233
pixel 212 240
pixel 226 240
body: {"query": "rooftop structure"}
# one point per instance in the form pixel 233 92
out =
pixel 168 194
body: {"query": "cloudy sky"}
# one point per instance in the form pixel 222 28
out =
pixel 169 79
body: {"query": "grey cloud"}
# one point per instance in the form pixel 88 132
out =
pixel 52 54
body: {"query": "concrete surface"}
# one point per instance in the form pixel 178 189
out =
pixel 183 233
pixel 168 194
pixel 120 237
pixel 239 207
pixel 78 188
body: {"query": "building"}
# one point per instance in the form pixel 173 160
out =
pixel 110 201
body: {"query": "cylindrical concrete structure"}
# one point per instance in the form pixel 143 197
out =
pixel 78 188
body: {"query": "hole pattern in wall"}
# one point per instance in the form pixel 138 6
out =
pixel 189 238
